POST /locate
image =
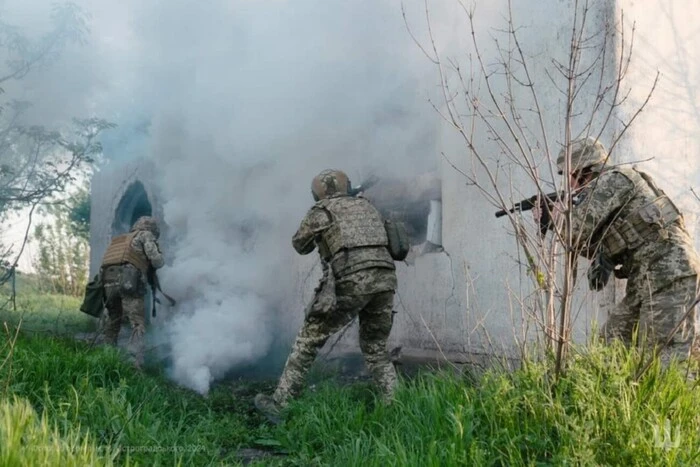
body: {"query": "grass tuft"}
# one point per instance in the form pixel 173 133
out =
pixel 27 439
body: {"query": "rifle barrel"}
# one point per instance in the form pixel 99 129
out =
pixel 529 203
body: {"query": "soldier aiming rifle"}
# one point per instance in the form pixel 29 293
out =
pixel 544 202
pixel 628 226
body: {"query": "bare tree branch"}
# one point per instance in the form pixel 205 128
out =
pixel 499 105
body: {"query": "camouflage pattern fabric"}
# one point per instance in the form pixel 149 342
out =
pixel 318 222
pixel 355 224
pixel 147 223
pixel 374 311
pixel 125 288
pixel 365 283
pixel 330 183
pixel 585 153
pixel 324 295
pixel 145 241
pixel 124 291
pixel 655 315
pixel 661 271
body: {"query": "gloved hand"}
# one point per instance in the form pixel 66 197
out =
pixel 599 272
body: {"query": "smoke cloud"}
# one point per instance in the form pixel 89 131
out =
pixel 258 100
pixel 239 104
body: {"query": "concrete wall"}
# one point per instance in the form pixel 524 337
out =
pixel 665 139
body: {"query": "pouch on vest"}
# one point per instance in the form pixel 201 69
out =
pixel 399 244
pixel 94 300
pixel 131 283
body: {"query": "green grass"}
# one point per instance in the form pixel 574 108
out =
pixel 66 403
pixel 51 314
pixel 42 312
pixel 25 283
pixel 90 395
pixel 595 415
pixel 144 419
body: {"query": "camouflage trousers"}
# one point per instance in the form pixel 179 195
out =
pixel 375 320
pixel 124 298
pixel 655 315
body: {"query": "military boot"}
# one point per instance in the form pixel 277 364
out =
pixel 268 407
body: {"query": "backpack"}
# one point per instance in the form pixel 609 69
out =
pixel 399 244
pixel 94 300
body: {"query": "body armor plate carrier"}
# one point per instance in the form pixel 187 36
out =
pixel 121 252
pixel 356 223
pixel 645 217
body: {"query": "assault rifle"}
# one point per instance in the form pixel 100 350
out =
pixel 546 202
pixel 529 203
pixel 153 281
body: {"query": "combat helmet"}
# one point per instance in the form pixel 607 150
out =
pixel 330 183
pixel 146 223
pixel 585 153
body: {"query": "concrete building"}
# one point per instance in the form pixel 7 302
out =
pixel 464 290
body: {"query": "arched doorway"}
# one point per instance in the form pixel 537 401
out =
pixel 134 204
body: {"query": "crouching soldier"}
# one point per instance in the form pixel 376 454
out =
pixel 124 270
pixel 359 280
pixel 624 221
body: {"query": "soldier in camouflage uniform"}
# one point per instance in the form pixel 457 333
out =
pixel 636 229
pixel 359 280
pixel 124 271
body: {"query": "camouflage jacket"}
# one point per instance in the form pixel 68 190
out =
pixel 145 241
pixel 349 265
pixel 655 262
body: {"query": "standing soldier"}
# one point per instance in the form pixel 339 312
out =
pixel 359 280
pixel 628 225
pixel 124 271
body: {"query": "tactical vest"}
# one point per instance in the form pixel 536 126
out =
pixel 645 217
pixel 355 224
pixel 120 252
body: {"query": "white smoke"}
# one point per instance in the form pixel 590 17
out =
pixel 259 98
pixel 243 103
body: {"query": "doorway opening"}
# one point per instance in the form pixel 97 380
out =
pixel 133 205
